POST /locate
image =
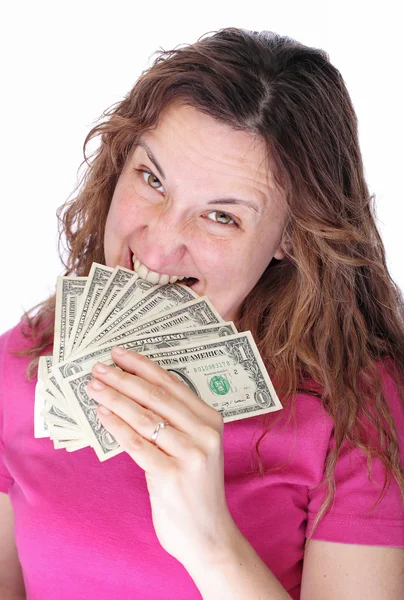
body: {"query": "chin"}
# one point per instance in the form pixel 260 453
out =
pixel 226 314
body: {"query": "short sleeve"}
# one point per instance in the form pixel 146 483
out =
pixel 351 518
pixel 5 478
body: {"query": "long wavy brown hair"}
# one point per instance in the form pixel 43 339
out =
pixel 329 311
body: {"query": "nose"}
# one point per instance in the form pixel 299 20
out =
pixel 162 241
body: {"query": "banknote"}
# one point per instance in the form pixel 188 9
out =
pixel 133 290
pixel 68 293
pixel 103 442
pixel 86 359
pixel 41 428
pixel 98 277
pixel 196 313
pixel 57 416
pixel 50 386
pixel 50 402
pixel 116 283
pixel 62 434
pixel 227 373
pixel 159 299
pixel 49 398
pixel 170 325
pixel 168 339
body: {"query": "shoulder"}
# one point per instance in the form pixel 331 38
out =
pixel 13 342
pixel 14 385
pixel 17 389
pixel 393 383
pixel 14 358
pixel 16 338
pixel 366 509
pixel 311 416
pixel 291 444
pixel 19 340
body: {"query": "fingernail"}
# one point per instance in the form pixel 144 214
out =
pixel 119 350
pixel 97 385
pixel 104 410
pixel 100 368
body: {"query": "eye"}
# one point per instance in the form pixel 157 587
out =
pixel 150 179
pixel 221 217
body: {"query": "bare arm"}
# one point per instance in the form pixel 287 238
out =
pixel 238 573
pixel 11 579
pixel 331 571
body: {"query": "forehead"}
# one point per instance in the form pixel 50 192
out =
pixel 193 134
pixel 211 153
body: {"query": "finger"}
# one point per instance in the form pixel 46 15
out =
pixel 133 362
pixel 144 453
pixel 156 399
pixel 144 421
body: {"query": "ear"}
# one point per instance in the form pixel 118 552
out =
pixel 280 252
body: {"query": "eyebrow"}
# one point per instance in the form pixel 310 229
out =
pixel 155 162
pixel 152 158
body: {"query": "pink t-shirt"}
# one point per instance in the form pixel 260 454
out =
pixel 84 528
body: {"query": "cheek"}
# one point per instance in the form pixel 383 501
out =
pixel 234 269
pixel 228 265
pixel 117 228
pixel 122 216
pixel 114 220
pixel 110 229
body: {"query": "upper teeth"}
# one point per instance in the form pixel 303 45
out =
pixel 152 276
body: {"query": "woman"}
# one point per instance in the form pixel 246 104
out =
pixel 234 161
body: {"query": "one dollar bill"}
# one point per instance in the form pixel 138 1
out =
pixel 227 373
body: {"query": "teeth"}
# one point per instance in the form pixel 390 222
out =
pixel 164 279
pixel 142 271
pixel 152 276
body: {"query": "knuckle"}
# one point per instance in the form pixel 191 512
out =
pixel 158 394
pixel 134 443
pixel 147 418
pixel 172 482
pixel 171 474
pixel 218 421
pixel 213 440
pixel 120 374
pixel 196 458
pixel 169 378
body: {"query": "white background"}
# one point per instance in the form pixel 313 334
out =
pixel 64 63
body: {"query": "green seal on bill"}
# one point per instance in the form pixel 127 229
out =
pixel 219 385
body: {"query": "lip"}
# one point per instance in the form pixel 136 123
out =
pixel 130 259
pixel 132 254
pixel 131 267
pixel 129 262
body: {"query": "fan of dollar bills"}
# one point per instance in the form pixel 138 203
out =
pixel 170 324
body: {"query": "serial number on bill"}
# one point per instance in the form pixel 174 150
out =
pixel 212 366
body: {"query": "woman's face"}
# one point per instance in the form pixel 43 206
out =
pixel 194 199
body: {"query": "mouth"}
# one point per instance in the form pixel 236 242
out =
pixel 160 278
pixel 190 281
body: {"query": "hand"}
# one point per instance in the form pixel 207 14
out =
pixel 184 473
